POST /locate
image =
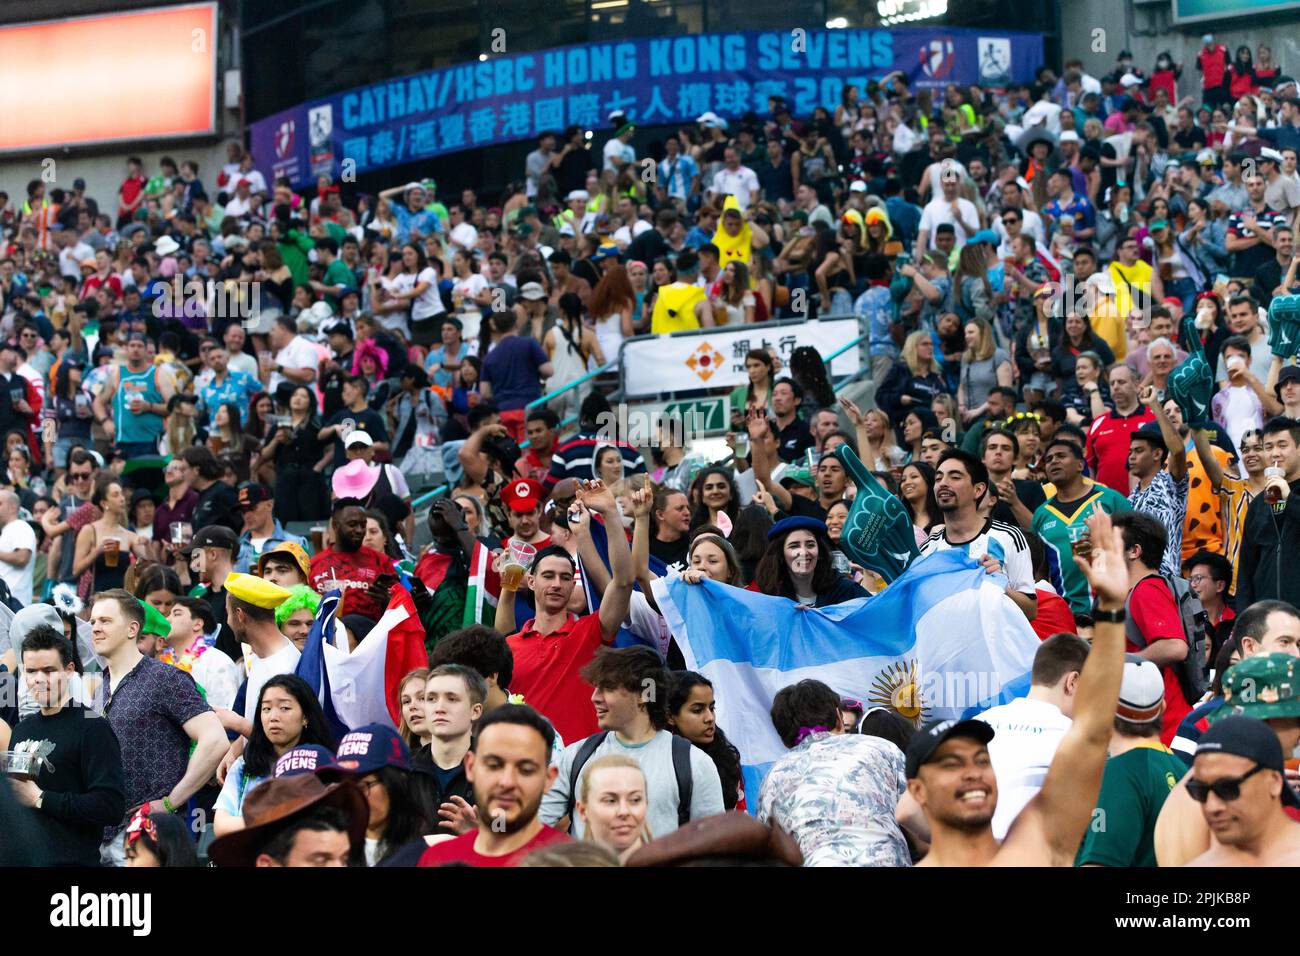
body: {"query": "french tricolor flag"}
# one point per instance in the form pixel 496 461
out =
pixel 361 687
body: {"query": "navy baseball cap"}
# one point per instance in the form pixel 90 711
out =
pixel 928 739
pixel 306 758
pixel 1252 739
pixel 366 750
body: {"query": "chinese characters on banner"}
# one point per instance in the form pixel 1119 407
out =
pixel 653 81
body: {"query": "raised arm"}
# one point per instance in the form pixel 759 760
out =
pixel 1173 441
pixel 614 602
pixel 471 454
pixel 1049 829
pixel 761 456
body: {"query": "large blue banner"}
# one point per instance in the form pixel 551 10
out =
pixel 654 81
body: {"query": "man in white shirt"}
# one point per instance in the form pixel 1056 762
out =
pixel 295 358
pixel 735 180
pixel 949 209
pixel 618 152
pixel 17 549
pixel 1029 729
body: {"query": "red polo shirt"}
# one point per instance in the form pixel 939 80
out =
pixel 1107 450
pixel 461 850
pixel 546 673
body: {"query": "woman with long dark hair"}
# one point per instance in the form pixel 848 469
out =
pixel 1077 337
pixel 288 714
pixel 158 839
pixel 761 370
pixel 916 490
pixel 797 565
pixel 382 771
pixel 714 491
pixel 749 539
pixel 692 714
pixel 227 440
pixel 809 369
pixel 300 490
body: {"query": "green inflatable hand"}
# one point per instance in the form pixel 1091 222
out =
pixel 878 532
pixel 1284 325
pixel 1191 384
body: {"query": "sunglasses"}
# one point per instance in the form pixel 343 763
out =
pixel 1009 220
pixel 79 475
pixel 1227 789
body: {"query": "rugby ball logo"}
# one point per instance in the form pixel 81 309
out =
pixel 937 58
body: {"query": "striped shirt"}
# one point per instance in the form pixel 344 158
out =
pixel 1003 541
pixel 1236 496
pixel 573 459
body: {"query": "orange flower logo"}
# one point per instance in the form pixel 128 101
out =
pixel 705 361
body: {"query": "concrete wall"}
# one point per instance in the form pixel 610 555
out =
pixel 1148 28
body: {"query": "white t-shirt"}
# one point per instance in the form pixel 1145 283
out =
pixel 468 288
pixel 656 760
pixel 1027 733
pixel 939 211
pixel 17 536
pixel 299 353
pixel 1030 223
pixel 428 303
pixel 1003 541
pixel 743 184
pixel 617 149
pixel 262 669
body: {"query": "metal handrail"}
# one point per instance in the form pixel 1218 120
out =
pixel 574 384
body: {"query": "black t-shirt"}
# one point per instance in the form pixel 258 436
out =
pixel 671 553
pixel 1193 138
pixel 218 504
pixel 805 507
pixel 84 786
pixel 793 440
pixel 647 247
pixel 225 641
pixel 571 173
pixel 367 420
pixel 1031 496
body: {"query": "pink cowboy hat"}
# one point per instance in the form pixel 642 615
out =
pixel 356 479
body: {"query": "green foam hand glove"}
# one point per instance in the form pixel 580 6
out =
pixel 1284 325
pixel 1191 384
pixel 878 531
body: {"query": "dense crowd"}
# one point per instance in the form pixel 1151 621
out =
pixel 225 402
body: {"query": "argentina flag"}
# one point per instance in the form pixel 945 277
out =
pixel 943 640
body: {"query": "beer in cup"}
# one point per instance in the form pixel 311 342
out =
pixel 517 559
pixel 112 550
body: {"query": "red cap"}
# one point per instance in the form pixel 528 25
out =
pixel 523 495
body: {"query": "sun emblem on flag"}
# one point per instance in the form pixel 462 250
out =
pixel 896 687
pixel 705 361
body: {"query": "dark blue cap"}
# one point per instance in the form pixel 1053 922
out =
pixel 307 758
pixel 366 750
pixel 796 523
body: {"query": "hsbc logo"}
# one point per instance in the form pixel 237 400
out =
pixel 284 139
pixel 937 58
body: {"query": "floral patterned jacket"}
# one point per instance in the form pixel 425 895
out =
pixel 836 795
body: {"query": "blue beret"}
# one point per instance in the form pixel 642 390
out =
pixel 796 523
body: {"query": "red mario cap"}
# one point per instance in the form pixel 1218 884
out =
pixel 523 495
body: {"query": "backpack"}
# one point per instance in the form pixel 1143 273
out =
pixel 1191 670
pixel 681 768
